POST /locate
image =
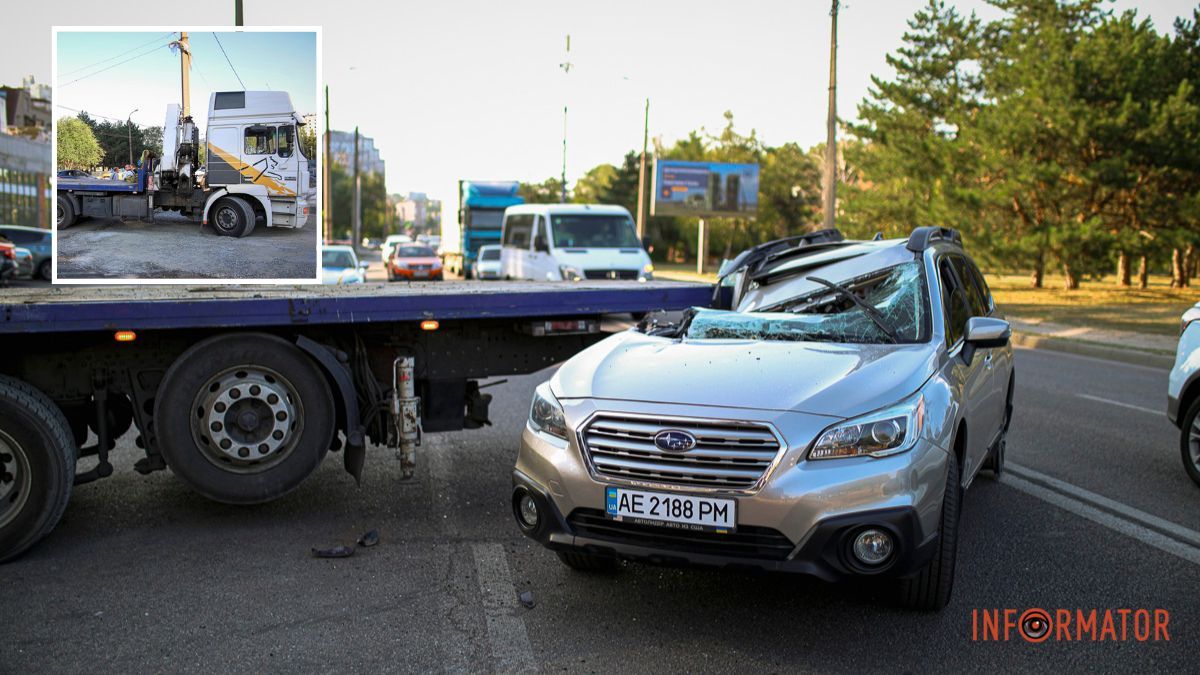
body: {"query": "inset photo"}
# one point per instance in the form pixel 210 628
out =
pixel 186 155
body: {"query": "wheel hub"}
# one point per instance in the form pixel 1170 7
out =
pixel 246 419
pixel 14 478
pixel 226 218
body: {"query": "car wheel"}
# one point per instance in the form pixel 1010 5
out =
pixel 244 418
pixel 929 589
pixel 45 270
pixel 232 217
pixel 584 562
pixel 65 215
pixel 37 466
pixel 1189 441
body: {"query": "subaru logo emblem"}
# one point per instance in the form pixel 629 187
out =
pixel 674 440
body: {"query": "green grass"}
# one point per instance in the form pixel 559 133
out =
pixel 1096 304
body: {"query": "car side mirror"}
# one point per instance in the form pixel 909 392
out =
pixel 984 332
pixel 539 244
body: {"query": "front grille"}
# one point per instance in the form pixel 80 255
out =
pixel 747 541
pixel 610 274
pixel 731 455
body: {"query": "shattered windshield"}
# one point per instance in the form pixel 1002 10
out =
pixel 826 315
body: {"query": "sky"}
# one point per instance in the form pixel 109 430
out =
pixel 472 89
pixel 109 73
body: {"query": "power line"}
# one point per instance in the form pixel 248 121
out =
pixel 138 56
pixel 89 114
pixel 156 39
pixel 235 72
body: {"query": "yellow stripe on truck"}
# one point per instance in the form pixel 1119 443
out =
pixel 252 173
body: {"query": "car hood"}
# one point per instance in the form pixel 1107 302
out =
pixel 840 380
pixel 602 258
pixel 418 261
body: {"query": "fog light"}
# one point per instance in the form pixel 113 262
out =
pixel 872 547
pixel 527 511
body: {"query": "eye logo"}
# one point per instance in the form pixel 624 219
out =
pixel 1034 625
pixel 674 440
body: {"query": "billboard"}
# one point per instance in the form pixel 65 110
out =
pixel 709 189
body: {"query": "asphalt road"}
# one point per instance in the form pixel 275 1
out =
pixel 174 247
pixel 144 575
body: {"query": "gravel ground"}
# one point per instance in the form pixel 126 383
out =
pixel 173 247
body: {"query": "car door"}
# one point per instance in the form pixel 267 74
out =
pixel 973 380
pixel 999 359
pixel 542 260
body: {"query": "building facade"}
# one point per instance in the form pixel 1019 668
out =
pixel 341 150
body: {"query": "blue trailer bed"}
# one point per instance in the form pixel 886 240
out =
pixel 104 308
pixel 92 184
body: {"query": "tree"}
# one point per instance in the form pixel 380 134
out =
pixel 77 145
pixel 594 184
pixel 308 141
pixel 548 191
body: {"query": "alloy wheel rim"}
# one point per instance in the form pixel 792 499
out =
pixel 1194 442
pixel 15 478
pixel 247 419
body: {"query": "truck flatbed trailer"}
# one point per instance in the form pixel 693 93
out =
pixel 93 184
pixel 242 391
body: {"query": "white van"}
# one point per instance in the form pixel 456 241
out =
pixel 572 242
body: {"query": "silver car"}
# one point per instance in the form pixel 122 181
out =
pixel 1183 391
pixel 827 425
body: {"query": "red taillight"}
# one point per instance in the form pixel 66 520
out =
pixel 10 253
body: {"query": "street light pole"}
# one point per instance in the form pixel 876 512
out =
pixel 129 129
pixel 566 66
pixel 641 224
pixel 831 124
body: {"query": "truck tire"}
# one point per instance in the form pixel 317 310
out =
pixel 930 589
pixel 244 418
pixel 37 466
pixel 65 215
pixel 232 217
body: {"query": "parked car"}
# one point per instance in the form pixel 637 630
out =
pixel 572 242
pixel 37 240
pixel 390 242
pixel 340 265
pixel 1183 391
pixel 74 173
pixel 414 262
pixel 826 425
pixel 487 263
pixel 24 259
pixel 8 261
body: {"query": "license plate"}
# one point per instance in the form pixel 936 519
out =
pixel 420 273
pixel 681 511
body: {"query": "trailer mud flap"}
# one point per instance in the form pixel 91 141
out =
pixel 334 365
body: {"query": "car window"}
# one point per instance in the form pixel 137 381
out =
pixel 414 251
pixel 287 139
pixel 975 297
pixel 21 236
pixel 490 254
pixel 541 230
pixel 338 259
pixel 260 140
pixel 518 230
pixel 954 301
pixel 981 284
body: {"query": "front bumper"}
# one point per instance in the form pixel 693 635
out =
pixel 406 273
pixel 802 520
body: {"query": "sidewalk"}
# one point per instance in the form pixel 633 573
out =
pixel 1144 349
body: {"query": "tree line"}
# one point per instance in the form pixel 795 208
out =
pixel 1059 136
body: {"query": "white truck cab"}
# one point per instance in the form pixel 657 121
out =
pixel 572 242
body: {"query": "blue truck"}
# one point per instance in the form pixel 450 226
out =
pixel 243 391
pixel 475 221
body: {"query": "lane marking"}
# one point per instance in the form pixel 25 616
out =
pixel 1151 530
pixel 506 630
pixel 1131 406
pixel 1107 362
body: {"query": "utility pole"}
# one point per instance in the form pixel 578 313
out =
pixel 830 191
pixel 641 218
pixel 237 12
pixel 356 235
pixel 185 66
pixel 129 128
pixel 566 66
pixel 326 188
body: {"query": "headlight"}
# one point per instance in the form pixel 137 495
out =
pixel 546 414
pixel 881 433
pixel 570 273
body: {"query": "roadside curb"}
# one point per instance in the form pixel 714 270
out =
pixel 1137 357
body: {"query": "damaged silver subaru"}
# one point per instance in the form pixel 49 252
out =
pixel 826 422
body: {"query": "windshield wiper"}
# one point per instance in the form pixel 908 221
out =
pixel 862 304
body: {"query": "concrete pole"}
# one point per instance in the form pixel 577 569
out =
pixel 185 67
pixel 701 248
pixel 641 214
pixel 326 187
pixel 356 234
pixel 830 191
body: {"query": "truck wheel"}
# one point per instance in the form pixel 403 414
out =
pixel 232 217
pixel 244 418
pixel 37 466
pixel 65 215
pixel 930 589
pixel 585 562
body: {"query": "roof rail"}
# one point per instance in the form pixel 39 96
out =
pixel 922 237
pixel 763 252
